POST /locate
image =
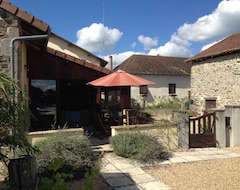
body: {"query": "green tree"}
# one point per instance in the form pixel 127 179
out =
pixel 14 117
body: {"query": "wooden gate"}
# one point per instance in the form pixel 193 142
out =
pixel 202 131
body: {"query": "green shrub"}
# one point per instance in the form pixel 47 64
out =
pixel 135 104
pixel 138 146
pixel 166 103
pixel 56 180
pixel 75 150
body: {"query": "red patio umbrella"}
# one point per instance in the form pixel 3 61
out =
pixel 120 78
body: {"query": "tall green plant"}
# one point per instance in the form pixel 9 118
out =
pixel 166 103
pixel 14 117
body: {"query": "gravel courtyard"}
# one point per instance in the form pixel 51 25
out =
pixel 211 174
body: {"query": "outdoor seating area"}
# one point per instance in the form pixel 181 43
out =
pixel 127 117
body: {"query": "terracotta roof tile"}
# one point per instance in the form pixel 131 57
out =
pixel 229 45
pixel 78 61
pixel 24 15
pixel 155 65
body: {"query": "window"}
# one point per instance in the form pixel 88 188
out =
pixel 43 94
pixel 143 89
pixel 210 103
pixel 172 89
pixel 43 103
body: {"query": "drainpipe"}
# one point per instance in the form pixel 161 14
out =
pixel 33 37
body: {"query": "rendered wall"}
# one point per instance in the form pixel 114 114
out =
pixel 160 89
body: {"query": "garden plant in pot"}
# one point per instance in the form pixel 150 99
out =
pixel 14 119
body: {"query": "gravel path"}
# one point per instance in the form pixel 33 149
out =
pixel 210 174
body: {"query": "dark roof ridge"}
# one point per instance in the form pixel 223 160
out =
pixel 155 65
pixel 229 45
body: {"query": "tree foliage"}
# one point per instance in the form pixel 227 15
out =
pixel 14 117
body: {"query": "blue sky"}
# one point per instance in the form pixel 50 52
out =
pixel 124 27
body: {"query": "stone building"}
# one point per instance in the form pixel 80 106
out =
pixel 215 75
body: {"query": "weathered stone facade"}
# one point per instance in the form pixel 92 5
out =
pixel 217 78
pixel 8 30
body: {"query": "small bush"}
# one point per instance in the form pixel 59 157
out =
pixel 138 146
pixel 75 151
pixel 166 103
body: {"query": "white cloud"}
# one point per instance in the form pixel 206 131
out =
pixel 220 23
pixel 98 38
pixel 120 57
pixel 208 29
pixel 147 42
pixel 176 47
pixel 133 45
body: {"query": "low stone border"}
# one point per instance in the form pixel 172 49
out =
pixel 33 137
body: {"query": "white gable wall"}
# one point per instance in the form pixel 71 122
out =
pixel 60 44
pixel 160 89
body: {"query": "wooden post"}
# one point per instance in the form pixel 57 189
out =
pixel 127 115
pixel 22 172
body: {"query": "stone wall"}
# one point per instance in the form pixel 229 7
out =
pixel 8 30
pixel 216 78
pixel 34 137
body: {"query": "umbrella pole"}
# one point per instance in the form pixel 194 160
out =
pixel 127 117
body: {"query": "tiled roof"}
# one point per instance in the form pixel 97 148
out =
pixel 40 25
pixel 155 65
pixel 24 15
pixel 229 45
pixel 78 61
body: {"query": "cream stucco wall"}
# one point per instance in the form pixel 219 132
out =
pixel 23 69
pixel 160 89
pixel 60 44
pixel 216 78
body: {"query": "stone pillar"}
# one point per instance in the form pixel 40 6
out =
pixel 220 128
pixel 234 113
pixel 183 130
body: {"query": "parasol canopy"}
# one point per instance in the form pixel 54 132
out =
pixel 120 78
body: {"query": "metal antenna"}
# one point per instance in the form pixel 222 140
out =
pixel 103 12
pixel 103 25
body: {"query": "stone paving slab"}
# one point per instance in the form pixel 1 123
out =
pixel 133 170
pixel 142 178
pixel 124 174
pixel 155 185
pixel 122 164
pixel 120 181
pixel 133 187
pixel 108 175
